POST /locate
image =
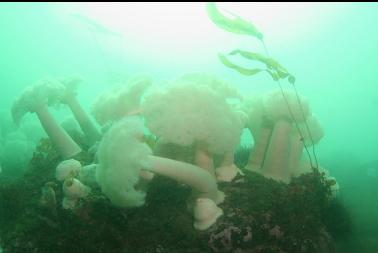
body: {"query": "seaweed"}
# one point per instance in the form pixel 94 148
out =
pixel 235 24
pixel 238 25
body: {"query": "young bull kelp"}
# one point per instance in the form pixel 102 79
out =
pixel 238 25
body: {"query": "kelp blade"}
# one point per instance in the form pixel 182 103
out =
pixel 274 68
pixel 269 62
pixel 235 25
pixel 241 70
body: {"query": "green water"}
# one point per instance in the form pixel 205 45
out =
pixel 332 53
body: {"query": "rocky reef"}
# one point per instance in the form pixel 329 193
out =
pixel 260 215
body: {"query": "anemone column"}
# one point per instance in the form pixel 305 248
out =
pixel 227 170
pixel 276 163
pixel 67 148
pixel 85 122
pixel 312 133
pixel 205 195
pixel 296 150
pixel 257 156
pixel 203 158
pixel 201 181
